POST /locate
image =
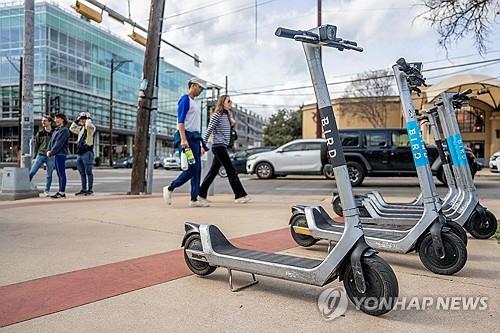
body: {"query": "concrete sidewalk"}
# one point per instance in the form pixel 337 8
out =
pixel 112 264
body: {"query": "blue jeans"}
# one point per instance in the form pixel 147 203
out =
pixel 61 171
pixel 193 173
pixel 39 161
pixel 84 163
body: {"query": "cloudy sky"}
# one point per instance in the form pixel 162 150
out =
pixel 222 33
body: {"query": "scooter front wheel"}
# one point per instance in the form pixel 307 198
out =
pixel 458 230
pixel 299 220
pixel 455 254
pixel 382 288
pixel 482 229
pixel 196 266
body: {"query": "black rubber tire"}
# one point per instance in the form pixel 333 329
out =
pixel 356 173
pixel 440 176
pixel 381 286
pixel 299 220
pixel 222 172
pixel 458 230
pixel 328 173
pixel 455 254
pixel 337 206
pixel 481 230
pixel 264 170
pixel 197 267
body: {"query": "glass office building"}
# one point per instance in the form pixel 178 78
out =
pixel 72 74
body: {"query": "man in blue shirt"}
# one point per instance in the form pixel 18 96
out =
pixel 188 135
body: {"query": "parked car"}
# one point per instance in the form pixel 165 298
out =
pixel 239 159
pixel 125 162
pixel 70 162
pixel 158 162
pixel 386 152
pixel 495 162
pixel 299 157
pixel 172 163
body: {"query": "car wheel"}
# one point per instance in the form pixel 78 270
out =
pixel 264 170
pixel 356 173
pixel 328 172
pixel 222 172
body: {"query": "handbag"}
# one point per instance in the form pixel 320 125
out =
pixel 234 135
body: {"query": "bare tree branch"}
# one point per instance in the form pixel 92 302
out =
pixel 368 89
pixel 456 19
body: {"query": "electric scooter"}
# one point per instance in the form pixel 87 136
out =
pixel 461 204
pixel 440 249
pixel 363 273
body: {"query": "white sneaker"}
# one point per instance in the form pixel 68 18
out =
pixel 46 194
pixel 198 203
pixel 204 200
pixel 243 200
pixel 167 195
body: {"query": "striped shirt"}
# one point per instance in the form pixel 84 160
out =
pixel 220 127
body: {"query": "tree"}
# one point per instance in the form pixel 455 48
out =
pixel 283 126
pixel 369 89
pixel 455 19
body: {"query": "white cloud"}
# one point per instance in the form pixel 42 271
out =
pixel 226 45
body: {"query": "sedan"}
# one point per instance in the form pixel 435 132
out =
pixel 495 162
pixel 299 157
pixel 239 159
pixel 125 162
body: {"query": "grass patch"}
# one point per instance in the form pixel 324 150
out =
pixel 497 234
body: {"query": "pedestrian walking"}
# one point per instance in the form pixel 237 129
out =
pixel 58 147
pixel 188 138
pixel 85 130
pixel 42 141
pixel 219 127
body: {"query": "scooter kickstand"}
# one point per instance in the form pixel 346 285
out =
pixel 242 287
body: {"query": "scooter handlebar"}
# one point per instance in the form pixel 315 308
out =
pixel 289 33
pixel 463 94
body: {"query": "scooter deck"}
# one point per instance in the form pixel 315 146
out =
pixel 325 222
pixel 222 246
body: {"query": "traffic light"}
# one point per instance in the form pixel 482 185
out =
pixel 87 12
pixel 138 38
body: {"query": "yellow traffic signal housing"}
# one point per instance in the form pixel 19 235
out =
pixel 138 38
pixel 87 12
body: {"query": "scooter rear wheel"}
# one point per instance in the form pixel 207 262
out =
pixel 482 229
pixel 337 206
pixel 381 286
pixel 458 230
pixel 455 254
pixel 197 267
pixel 299 220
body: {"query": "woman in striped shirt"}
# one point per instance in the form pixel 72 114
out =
pixel 220 129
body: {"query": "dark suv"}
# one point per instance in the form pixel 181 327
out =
pixel 386 152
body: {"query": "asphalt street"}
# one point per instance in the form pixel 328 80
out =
pixel 118 181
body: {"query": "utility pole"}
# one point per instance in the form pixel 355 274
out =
pixel 226 86
pixel 19 126
pixel 111 111
pixel 146 96
pixel 27 115
pixel 112 70
pixel 319 129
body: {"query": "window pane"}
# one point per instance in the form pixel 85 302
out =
pixel 400 140
pixel 376 139
pixel 349 139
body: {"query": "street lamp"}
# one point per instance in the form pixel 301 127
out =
pixel 113 68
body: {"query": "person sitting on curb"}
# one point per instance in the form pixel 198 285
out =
pixel 85 150
pixel 42 140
